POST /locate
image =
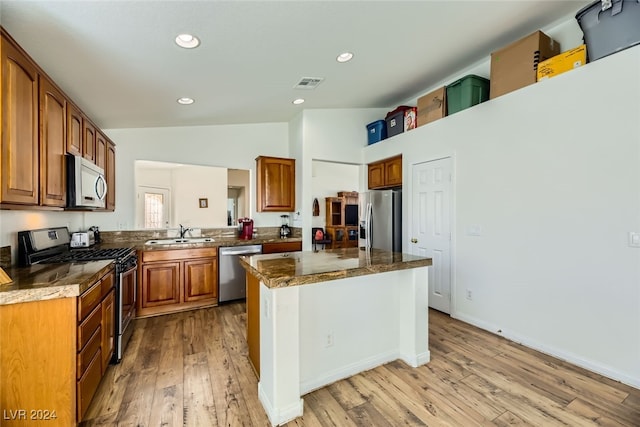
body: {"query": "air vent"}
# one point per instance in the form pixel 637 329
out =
pixel 308 83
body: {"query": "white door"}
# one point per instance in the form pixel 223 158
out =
pixel 153 207
pixel 431 226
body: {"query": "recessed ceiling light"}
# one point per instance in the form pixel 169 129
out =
pixel 187 41
pixel 185 101
pixel 297 101
pixel 344 57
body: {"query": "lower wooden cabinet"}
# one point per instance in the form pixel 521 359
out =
pixel 95 339
pixel 275 247
pixel 177 279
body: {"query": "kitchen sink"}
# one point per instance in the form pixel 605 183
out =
pixel 179 241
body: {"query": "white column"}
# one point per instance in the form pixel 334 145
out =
pixel 279 386
pixel 414 318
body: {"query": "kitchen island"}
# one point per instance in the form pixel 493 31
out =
pixel 317 317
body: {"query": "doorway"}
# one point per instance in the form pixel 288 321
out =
pixel 153 207
pixel 431 226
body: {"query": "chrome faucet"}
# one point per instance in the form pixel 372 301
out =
pixel 183 231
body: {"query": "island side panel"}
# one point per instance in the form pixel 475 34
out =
pixel 355 324
pixel 414 318
pixel 279 386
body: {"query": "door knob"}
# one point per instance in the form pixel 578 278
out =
pixel 414 240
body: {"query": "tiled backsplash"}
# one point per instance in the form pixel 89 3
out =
pixel 229 233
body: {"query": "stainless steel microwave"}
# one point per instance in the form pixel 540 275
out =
pixel 86 185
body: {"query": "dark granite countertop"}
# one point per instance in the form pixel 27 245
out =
pixel 301 268
pixel 50 281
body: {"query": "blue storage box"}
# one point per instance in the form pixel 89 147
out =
pixel 376 131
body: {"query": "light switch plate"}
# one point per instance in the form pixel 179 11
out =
pixel 634 239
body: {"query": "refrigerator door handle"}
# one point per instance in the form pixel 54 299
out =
pixel 369 225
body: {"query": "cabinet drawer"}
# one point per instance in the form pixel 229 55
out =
pixel 88 384
pixel 107 283
pixel 89 351
pixel 176 254
pixel 89 326
pixel 272 248
pixel 89 300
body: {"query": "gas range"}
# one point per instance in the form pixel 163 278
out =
pixel 52 245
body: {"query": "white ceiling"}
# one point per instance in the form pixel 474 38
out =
pixel 118 62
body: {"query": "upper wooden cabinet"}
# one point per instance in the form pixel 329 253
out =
pixel 53 145
pixel 276 189
pixel 88 140
pixel 19 153
pixel 40 125
pixel 74 130
pixel 100 154
pixel 110 172
pixel 385 173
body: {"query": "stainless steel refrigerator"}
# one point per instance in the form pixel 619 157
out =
pixel 381 220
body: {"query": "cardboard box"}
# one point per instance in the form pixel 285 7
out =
pixel 516 65
pixel 562 63
pixel 432 106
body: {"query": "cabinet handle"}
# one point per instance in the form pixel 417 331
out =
pixel 414 240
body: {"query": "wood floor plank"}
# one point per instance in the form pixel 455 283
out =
pixel 167 407
pixel 198 406
pixel 192 369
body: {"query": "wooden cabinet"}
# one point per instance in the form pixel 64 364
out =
pixel 341 222
pixel 253 322
pixel 276 247
pixel 177 279
pixel 100 154
pixel 53 145
pixel 108 332
pixel 74 130
pixel 110 172
pixel 19 151
pixel 276 191
pixel 39 126
pixel 88 140
pixel 95 339
pixel 385 173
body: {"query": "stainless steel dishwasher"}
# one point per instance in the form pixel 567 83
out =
pixel 231 275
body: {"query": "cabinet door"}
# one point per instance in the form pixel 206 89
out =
pixel 101 150
pixel 110 173
pixel 200 279
pixel 88 140
pixel 393 172
pixel 53 145
pixel 337 235
pixel 276 184
pixel 20 156
pixel 376 175
pixel 74 130
pixel 108 329
pixel 160 284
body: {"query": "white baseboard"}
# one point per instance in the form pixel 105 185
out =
pixel 348 371
pixel 551 351
pixel 417 359
pixel 279 416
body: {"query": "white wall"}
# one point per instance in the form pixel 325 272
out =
pixel 194 183
pixel 230 146
pixel 550 174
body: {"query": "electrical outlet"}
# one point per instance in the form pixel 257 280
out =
pixel 469 295
pixel 328 341
pixel 634 239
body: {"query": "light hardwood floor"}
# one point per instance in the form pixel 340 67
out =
pixel 191 369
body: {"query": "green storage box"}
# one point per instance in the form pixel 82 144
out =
pixel 466 92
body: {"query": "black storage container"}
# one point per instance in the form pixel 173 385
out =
pixel 607 31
